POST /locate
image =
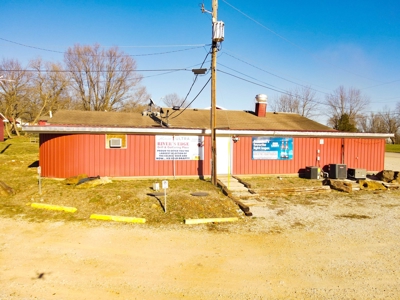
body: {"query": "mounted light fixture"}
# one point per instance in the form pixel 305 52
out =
pixel 199 71
pixel 235 139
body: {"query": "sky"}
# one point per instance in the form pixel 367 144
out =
pixel 270 47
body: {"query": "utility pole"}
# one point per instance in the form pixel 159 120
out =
pixel 217 37
pixel 213 118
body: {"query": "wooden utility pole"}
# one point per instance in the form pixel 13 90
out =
pixel 214 98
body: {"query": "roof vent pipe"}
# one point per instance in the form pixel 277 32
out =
pixel 261 105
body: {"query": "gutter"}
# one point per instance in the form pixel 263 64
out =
pixel 321 134
pixel 202 132
pixel 79 129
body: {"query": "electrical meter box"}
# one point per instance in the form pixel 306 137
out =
pixel 337 171
pixel 312 172
pixel 357 173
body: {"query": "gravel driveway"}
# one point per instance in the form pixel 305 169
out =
pixel 392 161
pixel 326 247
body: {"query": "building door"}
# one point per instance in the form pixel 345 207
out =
pixel 224 155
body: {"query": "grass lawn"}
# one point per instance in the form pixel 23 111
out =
pixel 127 198
pixel 18 163
pixel 393 148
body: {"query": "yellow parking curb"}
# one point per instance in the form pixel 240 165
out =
pixel 210 220
pixel 54 207
pixel 117 218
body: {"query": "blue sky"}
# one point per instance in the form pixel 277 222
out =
pixel 276 45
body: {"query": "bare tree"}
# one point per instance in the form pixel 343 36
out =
pixel 385 121
pixel 102 79
pixel 391 122
pixel 14 92
pixel 345 101
pixel 137 102
pixel 300 101
pixel 172 100
pixel 372 123
pixel 49 88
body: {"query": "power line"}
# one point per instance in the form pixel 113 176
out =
pixel 198 94
pixel 283 78
pixel 268 72
pixel 294 44
pixel 133 55
pixel 95 71
pixel 268 87
pixel 194 81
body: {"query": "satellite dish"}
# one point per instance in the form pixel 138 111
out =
pixel 151 102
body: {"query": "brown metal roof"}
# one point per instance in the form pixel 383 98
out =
pixel 190 119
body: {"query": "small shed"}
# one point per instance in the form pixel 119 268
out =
pixel 166 142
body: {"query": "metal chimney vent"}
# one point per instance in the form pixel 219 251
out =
pixel 115 143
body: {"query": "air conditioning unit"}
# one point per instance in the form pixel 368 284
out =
pixel 115 143
pixel 357 173
pixel 312 172
pixel 337 171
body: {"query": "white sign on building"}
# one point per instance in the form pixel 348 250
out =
pixel 179 147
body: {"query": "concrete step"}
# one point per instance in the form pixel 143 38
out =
pixel 238 189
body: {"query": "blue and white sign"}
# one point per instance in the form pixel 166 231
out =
pixel 278 148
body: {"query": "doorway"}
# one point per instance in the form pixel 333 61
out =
pixel 224 155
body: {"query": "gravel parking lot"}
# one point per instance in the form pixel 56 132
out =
pixel 392 161
pixel 332 246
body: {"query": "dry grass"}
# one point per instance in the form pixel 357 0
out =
pixel 354 216
pixel 18 162
pixel 263 182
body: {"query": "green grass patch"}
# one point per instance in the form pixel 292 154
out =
pixel 392 148
pixel 130 198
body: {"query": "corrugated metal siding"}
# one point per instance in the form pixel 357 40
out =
pixel 69 155
pixel 365 154
pixel 356 153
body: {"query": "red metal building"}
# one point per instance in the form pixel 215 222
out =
pixel 177 143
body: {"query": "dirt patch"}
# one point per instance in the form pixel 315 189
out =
pixel 337 248
pixel 297 246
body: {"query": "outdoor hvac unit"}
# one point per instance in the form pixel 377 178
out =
pixel 312 172
pixel 115 143
pixel 218 31
pixel 357 173
pixel 337 171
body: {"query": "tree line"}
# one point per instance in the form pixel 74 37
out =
pixel 90 78
pixel 345 108
pixel 94 78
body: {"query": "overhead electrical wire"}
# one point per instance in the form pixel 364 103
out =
pixel 283 78
pixel 133 55
pixel 95 71
pixel 278 76
pixel 194 81
pixel 294 44
pixel 285 92
pixel 267 87
pixel 198 94
pixel 246 75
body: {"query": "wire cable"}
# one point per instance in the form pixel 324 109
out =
pixel 294 44
pixel 132 55
pixel 267 87
pixel 268 72
pixel 198 94
pixel 194 81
